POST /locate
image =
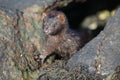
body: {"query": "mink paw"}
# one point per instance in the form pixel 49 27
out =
pixel 39 58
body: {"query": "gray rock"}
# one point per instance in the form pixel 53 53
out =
pixel 102 54
pixel 22 4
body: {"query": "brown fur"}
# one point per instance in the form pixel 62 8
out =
pixel 61 39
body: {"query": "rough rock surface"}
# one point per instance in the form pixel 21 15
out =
pixel 21 37
pixel 102 54
pixel 22 4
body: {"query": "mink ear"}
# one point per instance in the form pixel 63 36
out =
pixel 61 17
pixel 43 15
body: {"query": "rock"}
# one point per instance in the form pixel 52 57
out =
pixel 22 4
pixel 102 54
pixel 21 38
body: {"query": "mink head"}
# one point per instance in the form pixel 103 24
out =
pixel 54 22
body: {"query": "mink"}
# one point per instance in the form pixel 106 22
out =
pixel 60 38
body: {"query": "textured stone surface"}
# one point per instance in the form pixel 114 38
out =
pixel 103 51
pixel 21 37
pixel 22 4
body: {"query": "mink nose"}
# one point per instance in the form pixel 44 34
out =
pixel 46 31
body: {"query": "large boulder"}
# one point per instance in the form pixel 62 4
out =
pixel 102 54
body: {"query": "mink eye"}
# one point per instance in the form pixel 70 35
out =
pixel 51 16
